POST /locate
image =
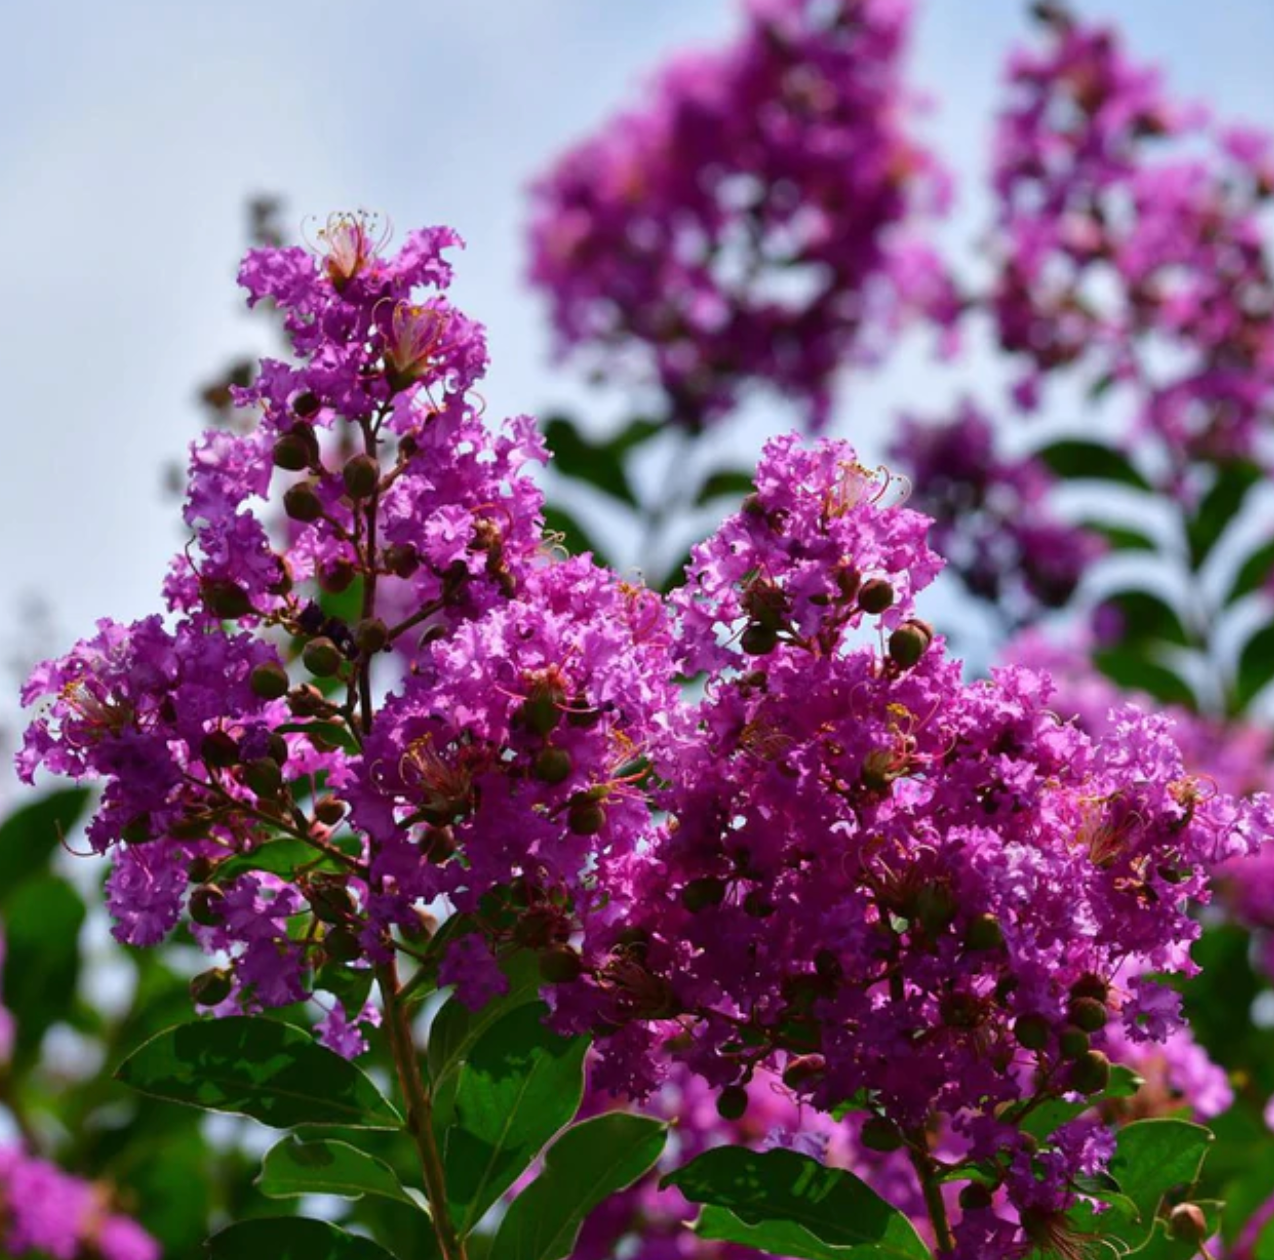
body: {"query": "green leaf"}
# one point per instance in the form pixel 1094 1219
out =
pixel 1255 667
pixel 517 1087
pixel 575 538
pixel 600 465
pixel 293 1168
pixel 277 857
pixel 1147 617
pixel 1152 1157
pixel 1135 672
pixel 1120 537
pixel 456 1029
pixel 1079 459
pixel 337 734
pixel 589 1162
pixel 1218 507
pixel 31 835
pixel 257 1067
pixel 291 1238
pixel 349 985
pixel 790 1205
pixel 42 921
pixel 729 482
pixel 1254 573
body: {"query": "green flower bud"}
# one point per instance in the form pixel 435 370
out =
pixel 875 596
pixel 984 932
pixel 1187 1223
pixel 371 636
pixel 553 765
pixel 975 1197
pixel 909 643
pixel 1032 1031
pixel 263 776
pixel 585 816
pixel 307 404
pixel 1087 1013
pixel 322 657
pixel 302 503
pixel 1091 1073
pixel 292 452
pixel 1073 1042
pixel 210 988
pixel 880 1134
pixel 206 905
pixel 341 945
pixel 329 810
pixel 732 1102
pixel 269 680
pixel 361 477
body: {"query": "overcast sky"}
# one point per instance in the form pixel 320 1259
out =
pixel 132 132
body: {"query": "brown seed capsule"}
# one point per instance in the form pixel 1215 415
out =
pixel 292 452
pixel 879 1134
pixel 1092 986
pixel 331 902
pixel 984 932
pixel 322 657
pixel 306 700
pixel 329 810
pixel 210 988
pixel 302 503
pixel 1072 1042
pixel 732 1102
pixel 206 903
pixel 875 596
pixel 263 776
pixel 1187 1223
pixel 975 1197
pixel 1091 1073
pixel 307 404
pixel 219 748
pixel 585 817
pixel 703 892
pixel 361 476
pixel 337 576
pixel 804 1071
pixel 225 599
pixel 401 559
pixel 560 965
pixel 1087 1013
pixel 269 680
pixel 341 945
pixel 909 643
pixel 1031 1031
pixel 759 640
pixel 553 765
pixel 371 635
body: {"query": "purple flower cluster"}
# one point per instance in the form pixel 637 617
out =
pixel 993 523
pixel 48 1211
pixel 1132 249
pixel 748 224
pixel 832 861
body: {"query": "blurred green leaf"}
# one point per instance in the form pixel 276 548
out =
pixel 1254 573
pixel 729 482
pixel 598 464
pixel 257 1067
pixel 1135 672
pixel 575 538
pixel 1081 460
pixel 519 1084
pixel 1147 617
pixel 1120 537
pixel 1218 507
pixel 291 1238
pixel 31 835
pixel 589 1162
pixel 292 1168
pixel 1255 667
pixel 791 1205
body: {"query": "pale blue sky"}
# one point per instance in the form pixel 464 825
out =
pixel 131 133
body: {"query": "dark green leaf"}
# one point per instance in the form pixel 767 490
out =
pixel 1254 573
pixel 42 921
pixel 291 1238
pixel 257 1067
pixel 575 538
pixel 1152 1157
pixel 600 465
pixel 1134 672
pixel 516 1088
pixel 1120 537
pixel 31 835
pixel 456 1028
pixel 294 1168
pixel 1218 507
pixel 790 1205
pixel 277 857
pixel 734 483
pixel 337 734
pixel 590 1161
pixel 350 985
pixel 1079 459
pixel 1255 667
pixel 1147 617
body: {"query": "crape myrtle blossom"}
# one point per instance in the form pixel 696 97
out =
pixel 885 884
pixel 993 523
pixel 833 862
pixel 1131 248
pixel 748 223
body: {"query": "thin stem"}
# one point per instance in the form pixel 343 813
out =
pixel 419 1111
pixel 933 1200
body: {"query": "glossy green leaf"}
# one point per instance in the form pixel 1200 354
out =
pixel 276 857
pixel 1082 460
pixel 292 1168
pixel 291 1238
pixel 729 482
pixel 1254 574
pixel 1133 671
pixel 257 1067
pixel 1218 507
pixel 1152 1158
pixel 517 1086
pixel 1255 667
pixel 42 921
pixel 590 1161
pixel 456 1029
pixel 31 835
pixel 791 1205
